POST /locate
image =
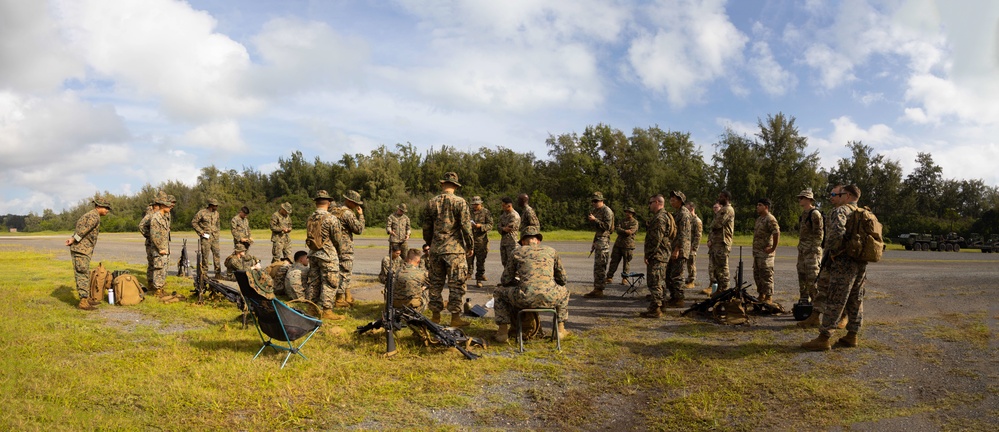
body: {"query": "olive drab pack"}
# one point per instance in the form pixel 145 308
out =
pixel 127 291
pixel 100 281
pixel 864 242
pixel 314 231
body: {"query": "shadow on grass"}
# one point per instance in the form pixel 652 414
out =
pixel 64 293
pixel 720 351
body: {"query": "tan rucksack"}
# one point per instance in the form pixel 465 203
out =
pixel 127 290
pixel 100 281
pixel 864 242
pixel 314 231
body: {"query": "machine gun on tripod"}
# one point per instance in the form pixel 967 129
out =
pixel 731 305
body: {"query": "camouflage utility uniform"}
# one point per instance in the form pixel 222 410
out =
pixel 324 263
pixel 480 237
pixel 352 224
pixel 234 262
pixel 389 266
pixel 159 236
pixel 447 228
pixel 624 246
pixel 240 228
pixel 409 286
pixel 763 262
pixel 722 229
pixel 294 281
pixel 400 225
pixel 528 218
pixel 508 241
pixel 277 271
pixel 533 278
pixel 280 240
pixel 84 240
pixel 659 236
pixel 603 227
pixel 810 234
pixel 696 229
pixel 841 284
pixel 681 243
pixel 207 222
pixel 151 252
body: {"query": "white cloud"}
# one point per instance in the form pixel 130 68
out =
pixel 33 55
pixel 775 80
pixel 220 136
pixel 692 44
pixel 741 128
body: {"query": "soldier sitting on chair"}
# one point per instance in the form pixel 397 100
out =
pixel 533 278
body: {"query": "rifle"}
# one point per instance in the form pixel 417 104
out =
pixel 740 291
pixel 389 316
pixel 184 264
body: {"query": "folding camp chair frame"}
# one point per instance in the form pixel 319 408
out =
pixel 634 280
pixel 251 297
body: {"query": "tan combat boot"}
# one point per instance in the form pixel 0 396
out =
pixel 842 322
pixel 690 285
pixel 94 301
pixel 624 281
pixel 813 321
pixel 436 317
pixel 348 297
pixel 340 302
pixel 706 291
pixel 85 305
pixel 674 303
pixel 596 293
pixel 848 341
pixel 652 312
pixel 502 333
pixel 562 332
pixel 820 343
pixel 456 320
pixel 478 283
pixel 484 278
pixel 328 315
pixel 609 280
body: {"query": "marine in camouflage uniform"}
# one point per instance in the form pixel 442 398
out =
pixel 240 260
pixel 482 223
pixel 766 234
pixel 159 237
pixel 447 228
pixel 389 265
pixel 280 233
pixel 533 278
pixel 679 248
pixel 206 224
pixel 841 283
pixel 240 228
pixel 295 279
pixel 323 278
pixel 151 252
pixel 508 227
pixel 601 217
pixel 528 218
pixel 409 284
pixel 624 246
pixel 720 240
pixel 696 229
pixel 810 235
pixel 277 271
pixel 660 230
pixel 398 229
pixel 81 249
pixel 352 224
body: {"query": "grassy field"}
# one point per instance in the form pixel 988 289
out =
pixel 184 366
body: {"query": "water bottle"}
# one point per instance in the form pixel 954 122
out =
pixel 714 288
pixel 110 295
pixel 468 306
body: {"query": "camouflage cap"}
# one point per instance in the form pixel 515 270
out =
pixel 286 207
pixel 630 210
pixel 597 196
pixel 531 231
pixel 476 200
pixel 101 202
pixel 172 199
pixel 679 195
pixel 807 193
pixel 451 177
pixel 322 195
pixel 240 247
pixel 403 207
pixel 354 197
pixel 213 202
pixel 162 200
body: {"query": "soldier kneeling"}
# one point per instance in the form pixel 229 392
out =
pixel 410 283
pixel 533 278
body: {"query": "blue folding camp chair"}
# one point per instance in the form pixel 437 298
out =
pixel 277 320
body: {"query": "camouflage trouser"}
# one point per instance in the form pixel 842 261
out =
pixel 510 300
pixel 159 272
pixel 210 245
pixel 674 278
pixel 763 274
pixel 505 251
pixel 655 277
pixel 841 291
pixel 478 261
pixel 719 267
pixel 403 246
pixel 691 267
pixel 600 257
pixel 346 271
pixel 151 254
pixel 296 291
pixel 617 255
pixel 450 268
pixel 322 281
pixel 711 270
pixel 81 272
pixel 281 248
pixel 808 271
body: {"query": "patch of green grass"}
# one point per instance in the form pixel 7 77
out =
pixel 970 328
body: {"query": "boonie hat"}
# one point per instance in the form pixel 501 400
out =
pixel 531 231
pixel 451 177
pixel 354 197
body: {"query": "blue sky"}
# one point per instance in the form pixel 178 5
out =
pixel 110 95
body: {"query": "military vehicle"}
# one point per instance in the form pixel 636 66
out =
pixel 928 242
pixel 990 245
pixel 950 242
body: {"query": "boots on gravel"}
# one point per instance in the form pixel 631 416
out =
pixel 820 343
pixel 848 341
pixel 596 293
pixel 502 333
pixel 842 322
pixel 652 312
pixel 609 280
pixel 85 305
pixel 675 302
pixel 624 281
pixel 813 321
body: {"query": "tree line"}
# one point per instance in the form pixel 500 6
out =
pixel 628 168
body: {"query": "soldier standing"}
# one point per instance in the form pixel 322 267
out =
pixel 680 249
pixel 159 236
pixel 766 234
pixel 390 264
pixel 294 280
pixel 447 228
pixel 601 217
pixel 711 263
pixel 351 225
pixel 810 234
pixel 482 223
pixel 527 216
pixel 720 240
pixel 151 252
pixel 81 249
pixel 534 278
pixel 324 235
pixel 840 288
pixel 624 246
pixel 240 227
pixel 659 233
pixel 206 224
pixel 398 229
pixel 280 237
pixel 508 227
pixel 696 229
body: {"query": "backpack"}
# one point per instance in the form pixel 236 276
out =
pixel 864 242
pixel 314 231
pixel 127 290
pixel 100 281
